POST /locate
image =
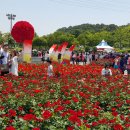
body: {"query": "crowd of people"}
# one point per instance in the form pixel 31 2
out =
pixel 84 57
pixel 121 62
pixel 9 60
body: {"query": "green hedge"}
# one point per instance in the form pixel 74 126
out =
pixel 123 50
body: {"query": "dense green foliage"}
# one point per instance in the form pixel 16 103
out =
pixel 40 42
pixel 77 30
pixel 90 35
pixel 86 35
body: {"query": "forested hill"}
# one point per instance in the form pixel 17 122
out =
pixel 77 30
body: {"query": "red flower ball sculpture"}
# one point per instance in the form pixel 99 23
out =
pixel 21 31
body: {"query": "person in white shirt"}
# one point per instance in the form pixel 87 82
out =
pixel 50 69
pixel 14 63
pixel 5 53
pixel 106 71
pixel 5 60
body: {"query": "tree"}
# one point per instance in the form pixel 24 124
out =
pixel 50 40
pixel 1 38
pixel 82 39
pixel 93 28
pixel 39 42
pixel 119 37
pixel 60 37
pixel 127 36
pixel 36 35
pixel 104 35
pixel 74 42
pixel 91 39
pixel 9 39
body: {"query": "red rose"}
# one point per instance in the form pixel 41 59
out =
pixel 36 129
pixel 29 117
pixel 75 99
pixel 12 112
pixel 46 114
pixel 128 101
pixel 70 128
pixel 75 119
pixel 114 113
pixel 10 128
pixel 88 126
pixel 117 127
pixel 59 108
pixel 94 123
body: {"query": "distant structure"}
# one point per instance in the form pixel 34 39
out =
pixel 103 46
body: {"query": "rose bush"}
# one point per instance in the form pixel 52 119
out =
pixel 79 99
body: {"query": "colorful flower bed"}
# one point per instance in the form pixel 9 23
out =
pixel 78 98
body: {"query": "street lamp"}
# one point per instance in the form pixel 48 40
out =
pixel 11 17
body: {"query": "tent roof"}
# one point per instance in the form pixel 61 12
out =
pixel 104 45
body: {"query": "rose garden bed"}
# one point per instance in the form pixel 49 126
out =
pixel 79 98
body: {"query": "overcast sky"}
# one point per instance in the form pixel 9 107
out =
pixel 49 15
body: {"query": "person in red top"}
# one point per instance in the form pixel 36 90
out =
pixel 40 54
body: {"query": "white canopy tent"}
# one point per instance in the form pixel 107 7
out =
pixel 104 46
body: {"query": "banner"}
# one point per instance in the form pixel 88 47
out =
pixel 53 54
pixel 67 54
pixel 27 51
pixel 56 52
pixel 52 48
pixel 65 44
pixel 61 49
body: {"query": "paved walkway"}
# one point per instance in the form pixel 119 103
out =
pixel 39 60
